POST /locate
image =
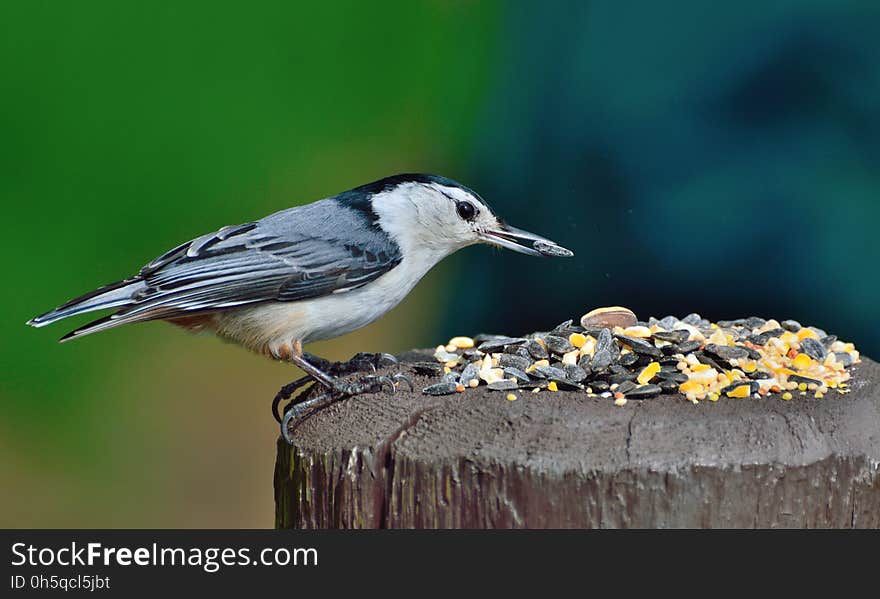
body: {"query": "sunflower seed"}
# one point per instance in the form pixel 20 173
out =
pixel 516 361
pixel 791 325
pixel 726 352
pixel 639 346
pixel 516 373
pixel 536 350
pixel 550 372
pixel 503 385
pixel 814 349
pixel 625 387
pixel 689 346
pixel 644 392
pixel 470 373
pixel 609 317
pixel 497 343
pixel 445 388
pixel 575 374
pixel 558 345
pixel 427 368
pixel 674 337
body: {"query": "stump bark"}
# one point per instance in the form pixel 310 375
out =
pixel 560 460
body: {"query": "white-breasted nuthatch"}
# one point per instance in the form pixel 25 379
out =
pixel 307 273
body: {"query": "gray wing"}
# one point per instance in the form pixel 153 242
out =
pixel 300 253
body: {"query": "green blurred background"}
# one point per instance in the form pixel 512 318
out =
pixel 714 159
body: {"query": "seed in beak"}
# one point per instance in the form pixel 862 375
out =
pixel 552 250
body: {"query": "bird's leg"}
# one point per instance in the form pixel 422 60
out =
pixel 337 389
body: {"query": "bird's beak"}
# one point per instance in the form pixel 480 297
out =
pixel 524 242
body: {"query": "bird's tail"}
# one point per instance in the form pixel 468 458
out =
pixel 114 295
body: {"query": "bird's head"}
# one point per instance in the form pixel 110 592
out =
pixel 436 213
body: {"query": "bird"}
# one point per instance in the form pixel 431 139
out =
pixel 312 272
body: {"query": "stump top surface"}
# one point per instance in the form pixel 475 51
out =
pixel 564 432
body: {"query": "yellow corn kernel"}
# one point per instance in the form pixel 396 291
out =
pixel 511 397
pixel 748 365
pixel 713 397
pixel 805 332
pixel 577 339
pixel 786 396
pixel 552 386
pixel 741 391
pixel 648 373
pixel 446 370
pixel 700 367
pixel 788 338
pixel 802 361
pixel 689 386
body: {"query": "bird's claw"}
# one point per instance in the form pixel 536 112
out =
pixel 399 377
pixel 374 383
pixel 368 384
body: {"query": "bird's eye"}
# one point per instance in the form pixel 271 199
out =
pixel 466 210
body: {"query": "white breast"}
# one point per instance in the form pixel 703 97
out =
pixel 266 327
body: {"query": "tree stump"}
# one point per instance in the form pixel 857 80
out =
pixel 561 460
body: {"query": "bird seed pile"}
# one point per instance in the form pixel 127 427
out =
pixel 613 355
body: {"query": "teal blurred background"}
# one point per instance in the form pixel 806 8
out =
pixel 721 160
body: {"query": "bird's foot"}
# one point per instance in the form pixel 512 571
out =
pixel 360 362
pixel 296 413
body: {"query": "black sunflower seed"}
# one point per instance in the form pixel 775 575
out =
pixel 814 349
pixel 575 374
pixel 644 392
pixel 446 388
pixel 498 343
pixel 536 350
pixel 503 385
pixel 514 361
pixel 558 345
pixel 427 368
pixel 639 346
pixel 689 346
pixel 727 352
pixel 675 337
pixel 516 373
pixel 625 387
pixel 791 325
pixel 759 375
